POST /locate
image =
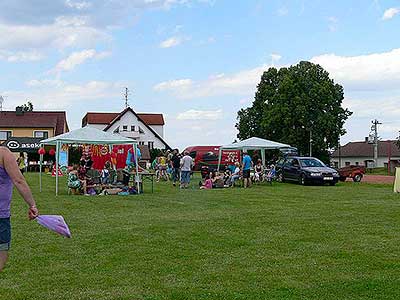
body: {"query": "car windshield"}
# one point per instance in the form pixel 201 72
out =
pixel 311 162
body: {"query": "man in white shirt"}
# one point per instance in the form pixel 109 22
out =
pixel 186 167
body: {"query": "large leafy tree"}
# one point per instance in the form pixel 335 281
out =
pixel 292 103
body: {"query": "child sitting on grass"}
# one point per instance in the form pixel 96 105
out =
pixel 207 184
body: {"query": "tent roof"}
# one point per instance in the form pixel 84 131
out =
pixel 89 135
pixel 255 143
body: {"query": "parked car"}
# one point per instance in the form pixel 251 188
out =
pixel 207 156
pixel 354 172
pixel 306 170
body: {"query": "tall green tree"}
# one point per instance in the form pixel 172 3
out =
pixel 27 106
pixel 293 103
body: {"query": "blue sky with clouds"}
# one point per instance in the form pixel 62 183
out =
pixel 196 61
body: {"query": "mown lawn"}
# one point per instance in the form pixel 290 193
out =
pixel 270 242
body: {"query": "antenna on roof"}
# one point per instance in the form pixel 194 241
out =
pixel 1 103
pixel 126 97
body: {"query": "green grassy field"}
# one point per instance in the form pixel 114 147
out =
pixel 270 242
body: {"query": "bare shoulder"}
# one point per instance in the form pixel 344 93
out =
pixel 4 150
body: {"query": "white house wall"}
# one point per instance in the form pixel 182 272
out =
pixel 159 129
pixel 361 161
pixel 129 119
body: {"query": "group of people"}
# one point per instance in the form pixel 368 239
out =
pixel 231 174
pixel 174 166
pixel 215 179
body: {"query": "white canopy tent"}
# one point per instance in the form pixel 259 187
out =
pixel 253 143
pixel 87 135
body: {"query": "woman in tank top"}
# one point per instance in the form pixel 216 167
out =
pixel 10 175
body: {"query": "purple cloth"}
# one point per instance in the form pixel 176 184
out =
pixel 6 188
pixel 54 223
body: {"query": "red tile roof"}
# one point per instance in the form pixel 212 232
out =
pixel 152 119
pixel 107 118
pixel 98 118
pixel 35 119
pixel 363 149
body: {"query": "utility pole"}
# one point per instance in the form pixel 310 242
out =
pixel 374 129
pixel 126 97
pixel 1 103
pixel 311 142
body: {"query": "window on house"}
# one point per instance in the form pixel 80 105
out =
pixel 141 130
pixel 41 134
pixel 141 143
pixel 125 128
pixel 133 128
pixel 116 130
pixel 151 145
pixel 357 163
pixel 347 163
pixel 336 164
pixel 4 135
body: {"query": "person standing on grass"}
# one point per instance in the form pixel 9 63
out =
pixel 186 167
pixel 175 165
pixel 10 175
pixel 247 163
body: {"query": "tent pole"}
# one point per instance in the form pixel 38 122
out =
pixel 57 151
pixel 263 157
pixel 219 158
pixel 40 169
pixel 137 167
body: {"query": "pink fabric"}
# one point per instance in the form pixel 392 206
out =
pixel 208 184
pixel 54 223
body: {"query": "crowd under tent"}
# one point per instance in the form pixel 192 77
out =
pixel 254 143
pixel 87 136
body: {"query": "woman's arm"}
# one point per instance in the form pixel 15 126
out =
pixel 19 181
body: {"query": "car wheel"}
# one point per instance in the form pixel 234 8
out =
pixel 342 178
pixel 303 180
pixel 357 178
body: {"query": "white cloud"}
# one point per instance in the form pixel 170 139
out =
pixel 171 42
pixel 390 13
pixel 173 84
pixel 333 24
pixel 283 11
pixel 193 114
pixel 44 82
pixel 78 5
pixel 64 32
pixel 77 58
pixel 363 72
pixel 44 93
pixel 241 83
pixel 20 56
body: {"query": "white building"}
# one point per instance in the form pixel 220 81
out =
pixel 147 129
pixel 362 153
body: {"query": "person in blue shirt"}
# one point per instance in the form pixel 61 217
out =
pixel 247 164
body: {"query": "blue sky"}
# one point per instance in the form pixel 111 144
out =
pixel 196 61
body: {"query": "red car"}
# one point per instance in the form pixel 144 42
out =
pixel 208 156
pixel 354 172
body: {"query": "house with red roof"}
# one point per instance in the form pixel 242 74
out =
pixel 146 128
pixel 362 153
pixel 33 124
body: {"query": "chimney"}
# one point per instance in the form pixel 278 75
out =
pixel 19 111
pixel 366 139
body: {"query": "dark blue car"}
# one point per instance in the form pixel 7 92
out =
pixel 306 170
